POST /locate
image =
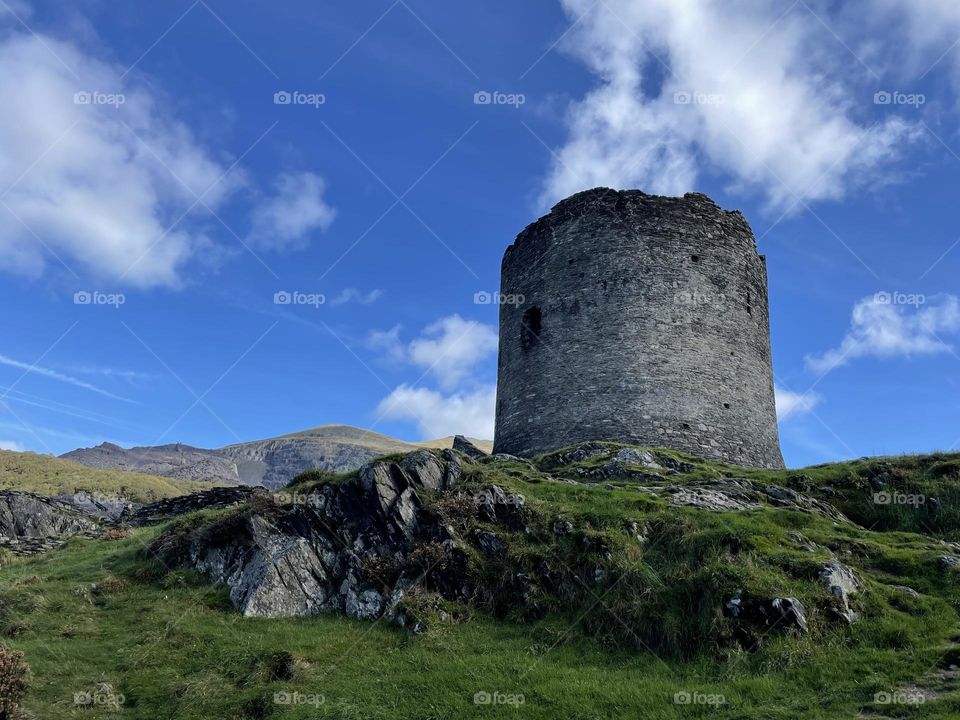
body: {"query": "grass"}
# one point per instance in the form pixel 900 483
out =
pixel 102 612
pixel 48 475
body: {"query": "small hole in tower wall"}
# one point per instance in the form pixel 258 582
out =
pixel 531 327
pixel 695 258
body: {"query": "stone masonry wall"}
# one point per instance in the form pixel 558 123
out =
pixel 644 320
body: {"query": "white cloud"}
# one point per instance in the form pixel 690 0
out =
pixel 451 348
pixel 793 404
pixel 439 415
pixel 100 184
pixel 388 343
pixel 883 328
pixel 11 445
pixel 788 92
pixel 354 295
pixel 297 208
pixel 59 377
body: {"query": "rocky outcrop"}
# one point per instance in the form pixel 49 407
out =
pixel 352 547
pixel 738 494
pixel 212 499
pixel 31 523
pixel 461 444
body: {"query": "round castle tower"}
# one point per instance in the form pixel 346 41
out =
pixel 643 320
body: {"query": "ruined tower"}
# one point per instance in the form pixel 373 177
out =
pixel 640 319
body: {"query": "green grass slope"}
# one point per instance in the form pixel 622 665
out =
pixel 48 475
pixel 640 644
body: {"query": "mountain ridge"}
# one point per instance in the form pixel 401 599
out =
pixel 271 462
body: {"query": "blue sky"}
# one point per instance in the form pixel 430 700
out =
pixel 158 194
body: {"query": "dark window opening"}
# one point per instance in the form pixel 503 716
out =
pixel 749 303
pixel 531 327
pixel 726 405
pixel 685 426
pixel 695 258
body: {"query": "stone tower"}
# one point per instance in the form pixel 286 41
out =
pixel 643 320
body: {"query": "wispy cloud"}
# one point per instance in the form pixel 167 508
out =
pixel 793 404
pixel 11 445
pixel 354 295
pixel 61 377
pixel 286 218
pixel 881 326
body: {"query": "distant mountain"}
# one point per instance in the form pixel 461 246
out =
pixel 273 462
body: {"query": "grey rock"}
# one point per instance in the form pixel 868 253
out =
pixel 26 516
pixel 562 527
pixel 489 543
pixel 803 542
pixel 781 614
pixel 842 582
pixel 948 561
pixel 461 444
pixel 905 590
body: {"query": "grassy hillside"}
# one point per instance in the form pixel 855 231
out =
pixel 52 476
pixel 647 640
